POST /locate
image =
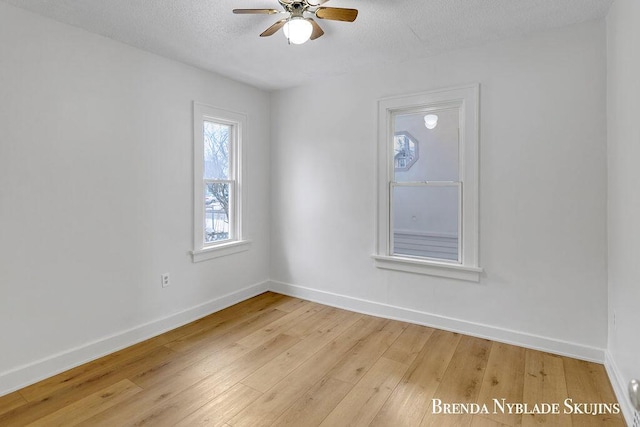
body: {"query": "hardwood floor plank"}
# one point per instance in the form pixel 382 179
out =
pixel 11 401
pixel 230 315
pixel 224 407
pixel 82 373
pixel 587 382
pixel 409 344
pixel 325 327
pixel 461 381
pixel 224 333
pixel 266 409
pixel 411 398
pixel 291 304
pixel 184 392
pixel 481 421
pixel 362 403
pixel 281 325
pixel 361 357
pixel 325 321
pixel 75 413
pixel 220 350
pixel 544 381
pixel 503 379
pixel 315 404
pixel 32 411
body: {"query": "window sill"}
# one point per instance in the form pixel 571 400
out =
pixel 431 268
pixel 220 250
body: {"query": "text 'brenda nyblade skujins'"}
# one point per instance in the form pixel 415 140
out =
pixel 501 406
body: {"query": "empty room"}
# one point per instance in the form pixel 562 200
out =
pixel 331 212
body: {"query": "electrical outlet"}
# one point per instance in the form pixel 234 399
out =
pixel 166 280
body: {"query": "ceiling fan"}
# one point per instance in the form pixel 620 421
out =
pixel 297 27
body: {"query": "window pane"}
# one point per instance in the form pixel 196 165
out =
pixel 216 212
pixel 217 140
pixel 425 221
pixel 437 148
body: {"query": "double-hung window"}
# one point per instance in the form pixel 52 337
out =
pixel 427 220
pixel 218 183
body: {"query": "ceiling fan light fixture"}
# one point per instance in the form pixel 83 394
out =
pixel 297 30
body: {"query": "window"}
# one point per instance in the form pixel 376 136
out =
pixel 427 219
pixel 218 189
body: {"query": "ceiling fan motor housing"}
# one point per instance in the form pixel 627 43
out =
pixel 296 10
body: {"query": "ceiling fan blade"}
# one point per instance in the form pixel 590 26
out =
pixel 337 14
pixel 317 31
pixel 272 29
pixel 255 11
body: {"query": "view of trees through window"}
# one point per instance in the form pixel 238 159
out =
pixel 218 179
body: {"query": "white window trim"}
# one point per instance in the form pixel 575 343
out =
pixel 202 251
pixel 468 98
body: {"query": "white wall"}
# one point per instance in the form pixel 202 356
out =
pixel 623 33
pixel 543 190
pixel 96 192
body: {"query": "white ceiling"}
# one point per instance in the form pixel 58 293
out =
pixel 206 34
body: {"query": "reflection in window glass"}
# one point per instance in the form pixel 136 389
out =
pixel 438 148
pixel 405 150
pixel 216 150
pixel 216 212
pixel 426 221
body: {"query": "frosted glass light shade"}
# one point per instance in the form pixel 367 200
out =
pixel 297 30
pixel 431 121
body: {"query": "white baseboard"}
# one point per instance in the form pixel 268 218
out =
pixel 522 339
pixel 31 373
pixel 619 387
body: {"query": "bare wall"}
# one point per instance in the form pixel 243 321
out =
pixel 623 33
pixel 542 192
pixel 96 190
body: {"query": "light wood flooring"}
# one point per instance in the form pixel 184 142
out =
pixel 277 360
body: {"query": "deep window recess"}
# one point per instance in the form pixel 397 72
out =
pixel 427 220
pixel 218 183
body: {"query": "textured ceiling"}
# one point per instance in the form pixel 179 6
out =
pixel 206 34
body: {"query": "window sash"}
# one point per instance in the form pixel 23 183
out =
pixel 426 184
pixel 233 170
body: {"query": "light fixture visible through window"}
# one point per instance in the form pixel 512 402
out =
pixel 297 30
pixel 431 121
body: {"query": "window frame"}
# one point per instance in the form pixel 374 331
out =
pixel 236 243
pixel 466 98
